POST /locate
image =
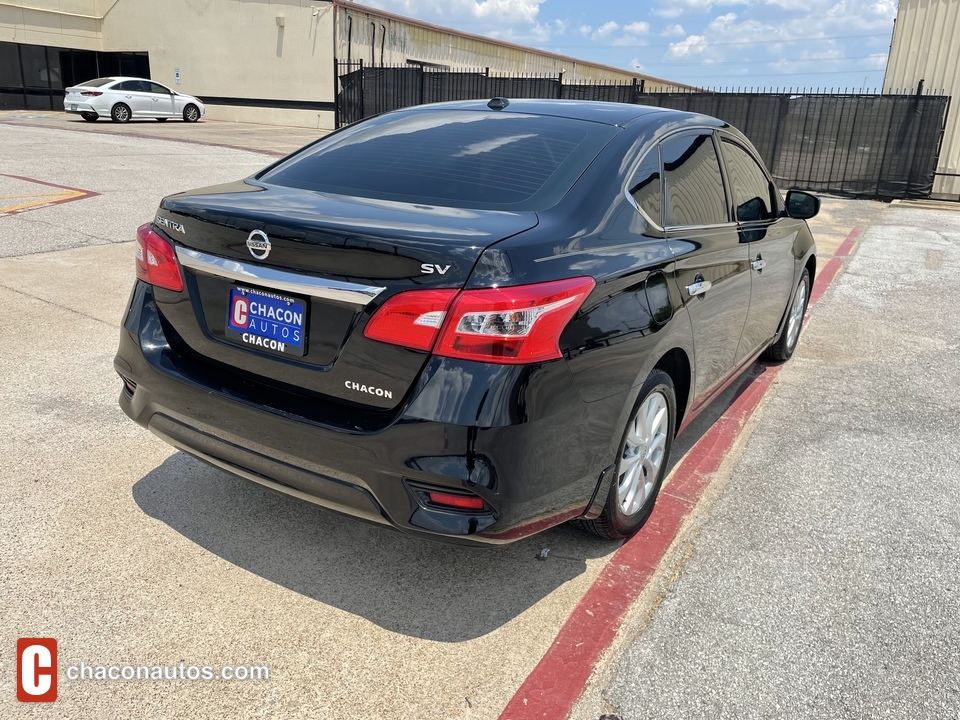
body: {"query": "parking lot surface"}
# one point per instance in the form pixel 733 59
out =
pixel 824 572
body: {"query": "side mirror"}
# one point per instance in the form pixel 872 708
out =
pixel 802 205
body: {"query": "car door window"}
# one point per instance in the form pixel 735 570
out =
pixel 752 190
pixel 693 185
pixel 644 187
pixel 131 86
pixel 156 88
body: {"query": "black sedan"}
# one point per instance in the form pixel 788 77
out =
pixel 468 320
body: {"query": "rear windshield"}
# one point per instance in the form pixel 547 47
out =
pixel 97 83
pixel 484 160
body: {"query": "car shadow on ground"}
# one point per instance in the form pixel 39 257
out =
pixel 405 584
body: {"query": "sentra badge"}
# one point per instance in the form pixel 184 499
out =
pixel 170 225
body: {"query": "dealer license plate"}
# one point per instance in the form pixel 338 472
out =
pixel 266 321
pixel 73 107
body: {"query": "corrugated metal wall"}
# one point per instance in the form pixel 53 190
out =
pixel 926 45
pixel 381 38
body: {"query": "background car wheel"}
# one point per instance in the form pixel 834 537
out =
pixel 161 119
pixel 90 117
pixel 120 113
pixel 191 113
pixel 641 461
pixel 783 348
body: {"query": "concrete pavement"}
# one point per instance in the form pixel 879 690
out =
pixel 824 583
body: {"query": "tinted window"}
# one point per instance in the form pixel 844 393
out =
pixel 156 88
pixel 99 82
pixel 645 186
pixel 752 191
pixel 130 86
pixel 481 159
pixel 692 182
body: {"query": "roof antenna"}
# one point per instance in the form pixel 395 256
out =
pixel 498 103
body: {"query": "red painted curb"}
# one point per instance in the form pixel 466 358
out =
pixel 558 680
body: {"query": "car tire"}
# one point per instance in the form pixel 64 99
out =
pixel 120 113
pixel 90 117
pixel 191 113
pixel 161 119
pixel 783 348
pixel 642 459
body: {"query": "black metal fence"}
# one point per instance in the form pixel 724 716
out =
pixel 855 144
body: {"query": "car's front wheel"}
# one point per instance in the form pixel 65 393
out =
pixel 90 116
pixel 641 462
pixel 191 113
pixel 120 113
pixel 783 348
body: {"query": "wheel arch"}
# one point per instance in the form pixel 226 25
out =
pixel 677 365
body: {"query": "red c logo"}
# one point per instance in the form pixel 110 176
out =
pixel 240 309
pixel 36 669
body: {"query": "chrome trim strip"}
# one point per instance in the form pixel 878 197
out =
pixel 278 279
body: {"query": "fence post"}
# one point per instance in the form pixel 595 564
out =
pixel 362 112
pixel 423 79
pixel 560 86
pixel 336 94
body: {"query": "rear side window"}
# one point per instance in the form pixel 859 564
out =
pixel 130 86
pixel 457 158
pixel 645 186
pixel 752 191
pixel 692 181
pixel 99 82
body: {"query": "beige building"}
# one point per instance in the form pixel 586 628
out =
pixel 926 46
pixel 266 61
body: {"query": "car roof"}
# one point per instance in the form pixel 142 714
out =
pixel 608 113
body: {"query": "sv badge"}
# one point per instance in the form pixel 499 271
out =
pixel 429 269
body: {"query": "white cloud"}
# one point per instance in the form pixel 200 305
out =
pixel 674 30
pixel 669 12
pixel 613 34
pixel 449 11
pixel 692 45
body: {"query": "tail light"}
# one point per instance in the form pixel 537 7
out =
pixel 411 318
pixel 91 93
pixel 156 260
pixel 510 325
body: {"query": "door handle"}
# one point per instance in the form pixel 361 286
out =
pixel 700 287
pixel 758 264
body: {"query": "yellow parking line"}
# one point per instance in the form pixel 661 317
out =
pixel 14 197
pixel 58 197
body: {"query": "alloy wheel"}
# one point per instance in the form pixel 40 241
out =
pixel 796 315
pixel 643 453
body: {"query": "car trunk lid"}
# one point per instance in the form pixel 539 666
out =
pixel 294 259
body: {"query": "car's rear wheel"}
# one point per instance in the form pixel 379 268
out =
pixel 90 116
pixel 641 462
pixel 783 348
pixel 120 113
pixel 191 113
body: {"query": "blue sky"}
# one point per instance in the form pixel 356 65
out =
pixel 709 43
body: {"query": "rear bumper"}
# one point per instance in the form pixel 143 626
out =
pixel 77 108
pixel 536 458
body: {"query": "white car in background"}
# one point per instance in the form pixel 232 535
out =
pixel 123 98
